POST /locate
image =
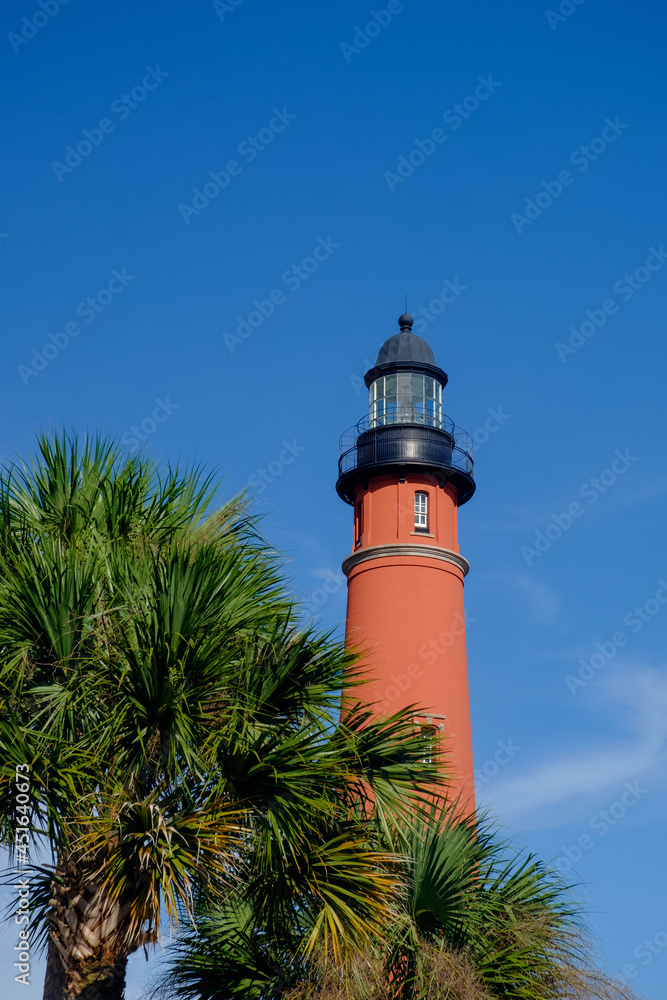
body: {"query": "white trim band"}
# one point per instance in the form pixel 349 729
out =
pixel 391 551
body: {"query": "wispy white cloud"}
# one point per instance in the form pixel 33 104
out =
pixel 650 491
pixel 567 783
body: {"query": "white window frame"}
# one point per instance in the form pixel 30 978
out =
pixel 421 510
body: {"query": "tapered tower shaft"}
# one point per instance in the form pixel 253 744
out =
pixel 406 469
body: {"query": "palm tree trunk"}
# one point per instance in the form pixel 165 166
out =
pixel 91 980
pixel 87 956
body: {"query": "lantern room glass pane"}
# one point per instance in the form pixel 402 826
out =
pixel 405 398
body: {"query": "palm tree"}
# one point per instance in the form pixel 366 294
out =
pixel 176 719
pixel 478 920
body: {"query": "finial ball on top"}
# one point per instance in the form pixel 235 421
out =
pixel 405 322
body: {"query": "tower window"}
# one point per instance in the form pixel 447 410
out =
pixel 421 511
pixel 430 732
pixel 429 735
pixel 359 523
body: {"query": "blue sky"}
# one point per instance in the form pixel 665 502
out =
pixel 141 292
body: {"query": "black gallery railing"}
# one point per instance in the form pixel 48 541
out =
pixel 373 442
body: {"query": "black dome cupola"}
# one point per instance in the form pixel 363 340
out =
pixel 407 352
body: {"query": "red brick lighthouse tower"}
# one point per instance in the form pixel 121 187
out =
pixel 406 469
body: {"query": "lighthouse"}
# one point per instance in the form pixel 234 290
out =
pixel 405 469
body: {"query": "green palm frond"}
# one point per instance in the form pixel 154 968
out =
pixel 154 852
